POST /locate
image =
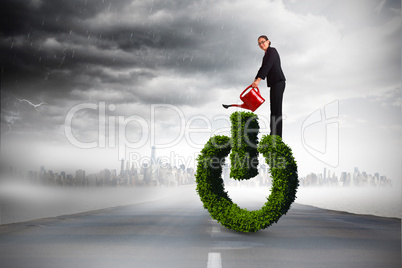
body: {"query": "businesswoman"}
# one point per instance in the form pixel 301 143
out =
pixel 272 70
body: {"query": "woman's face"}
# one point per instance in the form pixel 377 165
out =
pixel 263 44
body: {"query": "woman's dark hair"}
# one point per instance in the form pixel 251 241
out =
pixel 265 37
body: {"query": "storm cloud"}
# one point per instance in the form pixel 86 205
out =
pixel 54 48
pixel 191 54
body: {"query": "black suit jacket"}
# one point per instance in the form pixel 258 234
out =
pixel 271 68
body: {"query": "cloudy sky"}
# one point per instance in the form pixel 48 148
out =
pixel 85 83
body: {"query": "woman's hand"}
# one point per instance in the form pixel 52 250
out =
pixel 255 83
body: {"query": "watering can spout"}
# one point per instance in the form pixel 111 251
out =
pixel 243 105
pixel 251 98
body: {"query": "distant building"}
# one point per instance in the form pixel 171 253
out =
pixel 122 168
pixel 80 179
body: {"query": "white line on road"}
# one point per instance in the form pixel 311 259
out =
pixel 214 260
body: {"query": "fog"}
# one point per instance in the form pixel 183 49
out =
pixel 23 202
pixel 384 202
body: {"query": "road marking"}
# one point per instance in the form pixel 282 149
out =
pixel 214 260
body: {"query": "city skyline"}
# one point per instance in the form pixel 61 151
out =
pixel 356 177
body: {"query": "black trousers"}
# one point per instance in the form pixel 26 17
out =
pixel 276 97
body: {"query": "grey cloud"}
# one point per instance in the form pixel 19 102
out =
pixel 56 44
pixel 350 14
pixel 136 53
pixel 123 51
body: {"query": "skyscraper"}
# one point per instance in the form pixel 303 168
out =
pixel 153 168
pixel 356 170
pixel 153 155
pixel 122 167
pixel 80 177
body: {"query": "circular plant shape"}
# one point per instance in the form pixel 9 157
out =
pixel 210 185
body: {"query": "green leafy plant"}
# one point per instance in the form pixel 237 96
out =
pixel 211 189
pixel 244 141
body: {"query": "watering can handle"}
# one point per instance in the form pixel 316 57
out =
pixel 248 88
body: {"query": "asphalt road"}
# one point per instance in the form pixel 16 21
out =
pixel 177 232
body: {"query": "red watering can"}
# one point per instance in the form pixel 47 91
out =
pixel 251 97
